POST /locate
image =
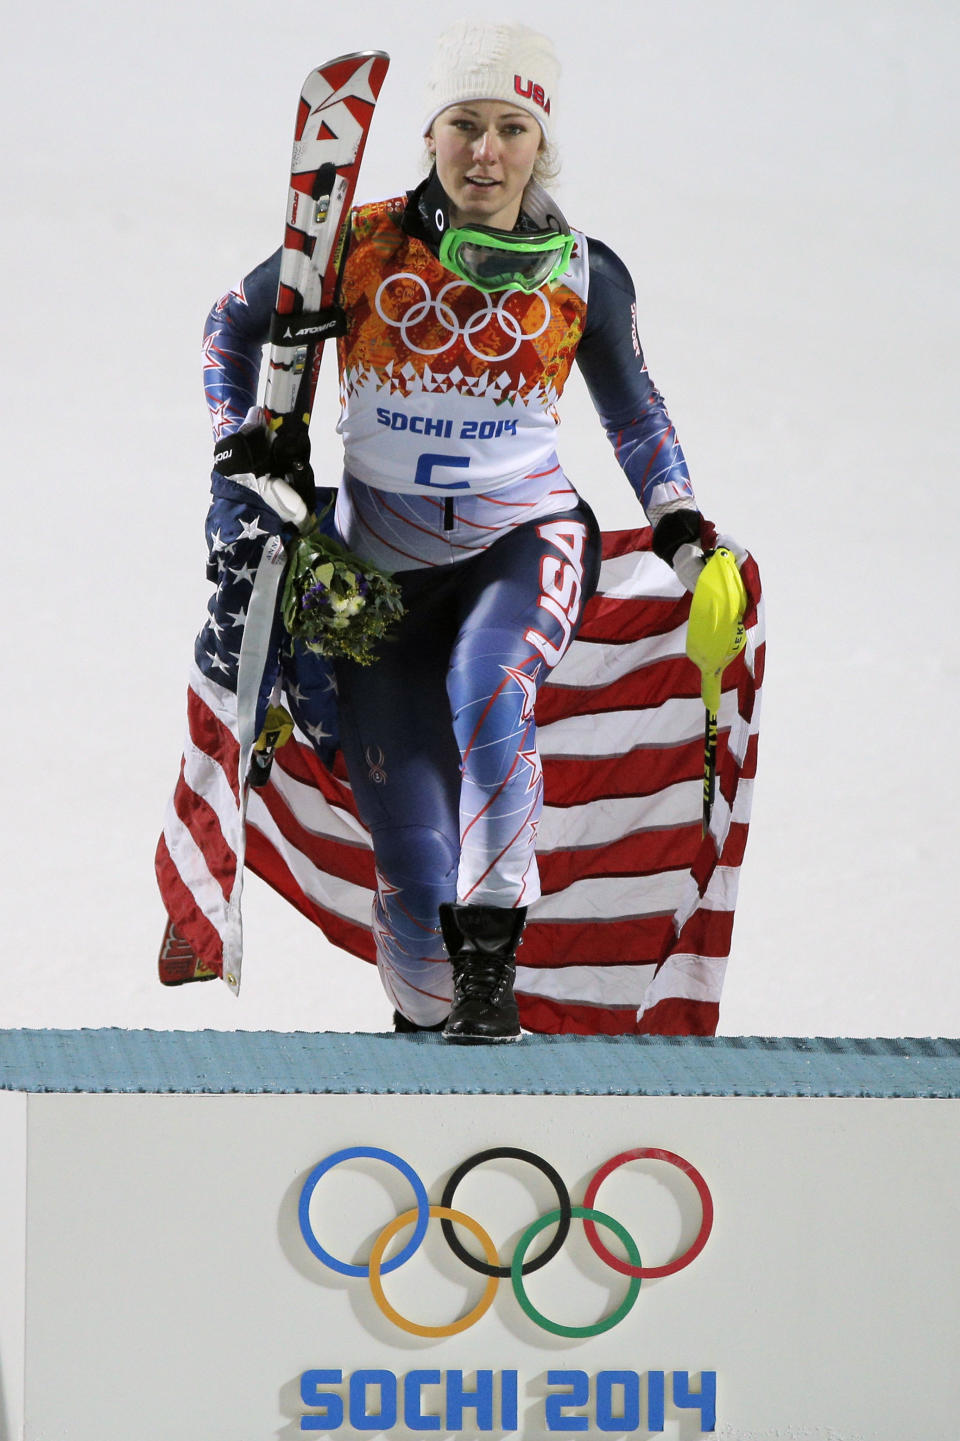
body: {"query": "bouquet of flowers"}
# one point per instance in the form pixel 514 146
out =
pixel 336 603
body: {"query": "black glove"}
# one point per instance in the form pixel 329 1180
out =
pixel 290 459
pixel 245 452
pixel 677 528
pixel 277 470
pixel 684 539
pixel 273 464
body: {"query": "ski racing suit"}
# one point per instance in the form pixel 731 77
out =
pixel 452 483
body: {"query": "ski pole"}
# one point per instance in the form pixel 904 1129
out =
pixel 709 767
pixel 715 636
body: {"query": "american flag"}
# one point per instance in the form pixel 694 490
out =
pixel 634 927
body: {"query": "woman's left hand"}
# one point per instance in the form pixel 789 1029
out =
pixel 691 557
pixel 685 540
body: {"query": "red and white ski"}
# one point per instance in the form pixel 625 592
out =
pixel 333 119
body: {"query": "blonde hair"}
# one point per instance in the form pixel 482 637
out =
pixel 546 167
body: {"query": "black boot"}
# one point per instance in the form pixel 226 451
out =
pixel 403 1023
pixel 481 942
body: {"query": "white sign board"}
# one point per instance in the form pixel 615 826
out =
pixel 199 1267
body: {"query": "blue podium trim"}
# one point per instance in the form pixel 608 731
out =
pixel 335 1062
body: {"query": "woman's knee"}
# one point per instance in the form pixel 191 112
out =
pixel 416 871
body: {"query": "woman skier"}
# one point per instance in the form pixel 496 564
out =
pixel 467 300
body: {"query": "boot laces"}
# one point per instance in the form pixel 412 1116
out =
pixel 484 980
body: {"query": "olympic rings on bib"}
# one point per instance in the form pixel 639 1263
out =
pixel 418 310
pixel 491 1266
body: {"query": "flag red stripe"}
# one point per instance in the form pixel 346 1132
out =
pixel 647 853
pixel 543 1014
pixel 190 921
pixel 706 933
pixel 735 845
pixel 642 689
pixel 201 820
pixel 626 542
pixel 331 855
pixel 302 764
pixel 615 621
pixel 265 862
pixel 213 738
pixel 637 941
pixel 680 1016
pixel 575 780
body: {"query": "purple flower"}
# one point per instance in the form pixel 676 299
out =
pixel 314 596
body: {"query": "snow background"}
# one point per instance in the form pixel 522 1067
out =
pixel 781 179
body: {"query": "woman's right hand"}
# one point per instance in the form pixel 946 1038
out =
pixel 276 468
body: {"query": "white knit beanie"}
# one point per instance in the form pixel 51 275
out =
pixel 509 62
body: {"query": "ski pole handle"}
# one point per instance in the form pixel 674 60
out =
pixel 715 636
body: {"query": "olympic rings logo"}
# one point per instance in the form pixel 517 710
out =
pixel 490 1265
pixel 418 311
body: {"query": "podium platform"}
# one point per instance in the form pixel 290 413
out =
pixel 242 1236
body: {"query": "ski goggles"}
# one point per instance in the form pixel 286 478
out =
pixel 506 260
